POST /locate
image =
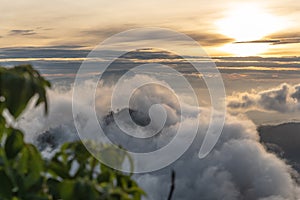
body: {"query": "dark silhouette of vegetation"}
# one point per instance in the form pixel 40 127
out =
pixel 172 185
pixel 71 174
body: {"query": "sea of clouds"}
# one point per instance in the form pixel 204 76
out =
pixel 238 167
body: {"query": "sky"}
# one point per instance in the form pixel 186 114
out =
pixel 268 28
pixel 254 44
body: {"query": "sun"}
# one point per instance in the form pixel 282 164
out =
pixel 247 22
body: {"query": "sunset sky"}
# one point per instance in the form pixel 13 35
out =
pixel 244 88
pixel 254 44
pixel 261 28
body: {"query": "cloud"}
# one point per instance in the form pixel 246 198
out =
pixel 279 38
pixel 285 34
pixel 106 32
pixel 78 51
pixel 24 32
pixel 66 59
pixel 61 51
pixel 210 39
pixel 239 167
pixel 296 94
pixel 258 58
pixel 274 41
pixel 259 41
pixel 284 99
pixel 205 39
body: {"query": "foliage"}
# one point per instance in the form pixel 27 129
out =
pixel 71 174
pixel 18 86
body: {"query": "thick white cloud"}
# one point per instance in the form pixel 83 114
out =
pixel 237 168
pixel 285 99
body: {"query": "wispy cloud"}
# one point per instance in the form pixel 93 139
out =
pixel 58 51
pixel 205 38
pixel 24 32
pixel 274 41
pixel 210 39
pixel 279 38
pixel 105 31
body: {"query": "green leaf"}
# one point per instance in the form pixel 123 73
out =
pixel 77 189
pixel 2 125
pixel 6 185
pixel 35 167
pixel 18 85
pixel 14 143
pixel 53 186
pixel 66 189
pixel 23 162
pixel 57 168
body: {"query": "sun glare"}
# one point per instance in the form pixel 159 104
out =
pixel 246 22
pixel 247 49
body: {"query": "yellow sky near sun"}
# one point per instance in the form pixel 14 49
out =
pixel 215 25
pixel 249 22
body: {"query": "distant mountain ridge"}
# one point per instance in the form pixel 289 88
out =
pixel 283 140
